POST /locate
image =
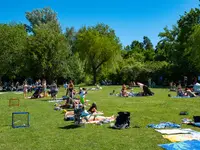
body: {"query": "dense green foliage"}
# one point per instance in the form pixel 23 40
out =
pixel 94 53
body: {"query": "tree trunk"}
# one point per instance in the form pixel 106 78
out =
pixel 94 77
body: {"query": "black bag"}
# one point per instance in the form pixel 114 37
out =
pixel 196 118
pixel 183 113
pixel 122 120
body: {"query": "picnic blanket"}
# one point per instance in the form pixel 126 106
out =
pixel 182 137
pixel 70 115
pixel 163 125
pixel 175 131
pixel 186 145
pixel 181 97
pixel 104 121
pixel 56 101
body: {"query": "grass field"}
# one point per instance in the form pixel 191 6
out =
pixel 48 130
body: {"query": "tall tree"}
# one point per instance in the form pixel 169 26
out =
pixel 97 46
pixel 70 34
pixel 194 48
pixel 136 45
pixel 48 52
pixel 147 43
pixel 12 47
pixel 166 47
pixel 43 16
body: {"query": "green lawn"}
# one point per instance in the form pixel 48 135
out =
pixel 49 131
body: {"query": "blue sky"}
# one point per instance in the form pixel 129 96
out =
pixel 131 19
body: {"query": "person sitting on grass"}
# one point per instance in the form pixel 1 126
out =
pixel 145 90
pixel 190 93
pixel 124 91
pixel 180 92
pixel 93 108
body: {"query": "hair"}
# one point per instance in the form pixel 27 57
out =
pixel 93 106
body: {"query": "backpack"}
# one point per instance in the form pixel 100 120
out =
pixel 122 120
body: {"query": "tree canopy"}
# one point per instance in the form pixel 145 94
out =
pixel 40 49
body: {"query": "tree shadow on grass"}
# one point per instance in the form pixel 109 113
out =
pixel 72 126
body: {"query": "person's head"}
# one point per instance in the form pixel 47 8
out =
pixel 93 106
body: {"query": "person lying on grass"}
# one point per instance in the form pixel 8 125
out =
pixel 91 111
pixel 91 117
pixel 187 92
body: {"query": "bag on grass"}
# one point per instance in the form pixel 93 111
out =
pixel 122 120
pixel 196 118
pixel 183 113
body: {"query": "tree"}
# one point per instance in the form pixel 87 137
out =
pixel 186 24
pixel 48 53
pixel 70 34
pixel 43 16
pixel 147 43
pixel 166 47
pixel 75 69
pixel 136 45
pixel 97 46
pixel 127 48
pixel 194 48
pixel 12 48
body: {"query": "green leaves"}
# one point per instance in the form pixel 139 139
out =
pixel 49 50
pixel 98 46
pixel 12 46
pixel 193 50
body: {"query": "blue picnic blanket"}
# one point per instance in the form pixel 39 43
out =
pixel 181 97
pixel 185 145
pixel 163 125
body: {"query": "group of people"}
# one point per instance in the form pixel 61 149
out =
pixel 145 91
pixel 40 89
pixel 189 91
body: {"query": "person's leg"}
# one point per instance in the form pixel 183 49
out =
pixel 67 92
pixel 25 94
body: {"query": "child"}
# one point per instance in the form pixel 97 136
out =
pixel 25 89
pixel 82 94
pixel 65 85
